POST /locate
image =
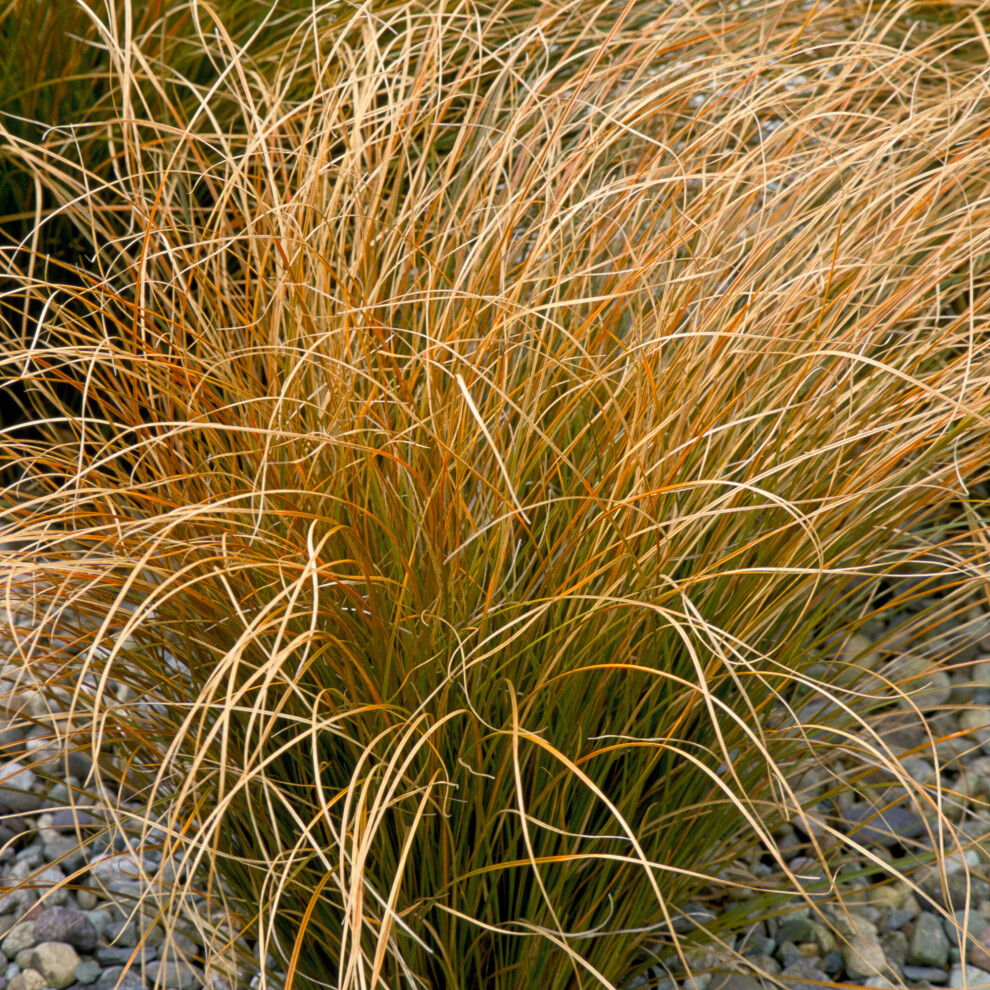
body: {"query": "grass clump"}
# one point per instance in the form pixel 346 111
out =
pixel 473 444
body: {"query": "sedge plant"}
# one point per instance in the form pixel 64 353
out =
pixel 460 467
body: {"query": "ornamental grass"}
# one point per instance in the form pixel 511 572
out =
pixel 462 444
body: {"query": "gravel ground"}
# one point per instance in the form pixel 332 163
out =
pixel 895 934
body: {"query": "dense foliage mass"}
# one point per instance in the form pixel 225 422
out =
pixel 459 432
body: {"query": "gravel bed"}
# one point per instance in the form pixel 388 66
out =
pixel 893 934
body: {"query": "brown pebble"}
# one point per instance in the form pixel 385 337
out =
pixel 978 955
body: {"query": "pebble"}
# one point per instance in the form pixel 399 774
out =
pixel 978 951
pixel 63 924
pixel 68 820
pixel 110 977
pixel 734 981
pixel 756 943
pixel 924 683
pixel 898 918
pixel 88 971
pixel 959 890
pixel 929 973
pixel 794 930
pixel 833 962
pixel 895 947
pixel 113 955
pixel 864 956
pixel 889 827
pixel 803 975
pixel 117 870
pixel 122 933
pixel 20 936
pixel 17 792
pixel 29 979
pixel 183 977
pixel 973 923
pixel 56 962
pixel 765 964
pixel 929 945
pixel 973 977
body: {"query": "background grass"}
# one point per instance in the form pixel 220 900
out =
pixel 471 428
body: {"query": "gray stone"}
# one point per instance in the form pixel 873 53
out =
pixel 834 962
pixel 929 945
pixel 971 923
pixel 116 869
pixel 56 961
pixel 897 919
pixel 185 977
pixel 652 979
pixel 734 981
pixel 929 973
pixel 86 900
pixel 63 924
pixel 919 770
pixel 975 722
pixel 16 783
pixel 959 862
pixel 850 923
pixel 788 953
pixel 30 979
pixel 107 980
pixel 27 859
pixel 99 919
pixel 12 732
pixel 69 819
pixel 864 957
pixel 895 947
pixel 774 924
pixel 65 849
pixel 692 917
pixel 88 971
pixel 764 964
pixel 17 900
pixel 758 945
pixel 217 982
pixel 125 893
pixel 794 930
pixel 120 955
pixel 44 754
pixel 973 977
pixel 854 659
pixel 184 943
pixel 926 685
pixel 122 933
pixel 822 937
pixel 803 975
pixel 958 889
pixel 887 828
pixel 54 879
pixel 19 937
